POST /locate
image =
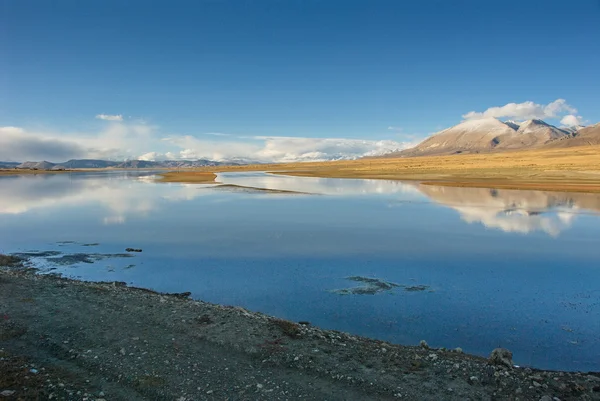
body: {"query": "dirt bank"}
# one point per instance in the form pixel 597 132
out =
pixel 78 340
pixel 191 177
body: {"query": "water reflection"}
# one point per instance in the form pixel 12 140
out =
pixel 124 195
pixel 515 210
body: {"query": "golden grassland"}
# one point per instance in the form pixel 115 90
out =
pixel 573 169
pixel 191 176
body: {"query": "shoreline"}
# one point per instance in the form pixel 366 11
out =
pixel 134 343
pixel 564 170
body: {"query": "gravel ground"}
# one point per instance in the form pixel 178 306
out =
pixel 70 340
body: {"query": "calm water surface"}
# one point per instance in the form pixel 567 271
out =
pixel 517 269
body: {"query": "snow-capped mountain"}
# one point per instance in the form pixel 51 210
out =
pixel 486 135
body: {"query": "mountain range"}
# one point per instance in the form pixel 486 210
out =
pixel 493 135
pixel 471 136
pixel 89 163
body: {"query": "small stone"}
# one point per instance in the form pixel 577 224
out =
pixel 122 351
pixel 424 344
pixel 34 371
pixel 259 386
pixel 519 390
pixel 7 393
pixel 546 398
pixel 209 392
pixel 501 356
pixel 384 350
pixel 536 384
pixel 459 350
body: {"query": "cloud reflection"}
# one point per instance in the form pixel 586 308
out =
pixel 122 196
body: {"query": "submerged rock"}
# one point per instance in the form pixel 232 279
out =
pixel 133 250
pixel 416 288
pixel 502 357
pixel 371 286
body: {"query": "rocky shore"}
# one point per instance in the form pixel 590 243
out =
pixel 70 340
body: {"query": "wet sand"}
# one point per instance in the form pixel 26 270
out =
pixel 109 341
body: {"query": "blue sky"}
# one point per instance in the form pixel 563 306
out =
pixel 300 69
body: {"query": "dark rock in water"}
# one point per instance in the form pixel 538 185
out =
pixel 374 285
pixel 75 258
pixel 37 254
pixel 374 282
pixel 371 286
pixel 502 357
pixel 416 288
pixel 69 259
pixel 133 250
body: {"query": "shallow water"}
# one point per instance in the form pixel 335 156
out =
pixel 474 268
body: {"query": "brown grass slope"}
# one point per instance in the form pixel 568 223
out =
pixel 575 170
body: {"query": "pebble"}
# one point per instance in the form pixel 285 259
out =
pixel 424 344
pixel 7 393
pixel 546 398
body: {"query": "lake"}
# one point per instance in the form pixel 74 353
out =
pixel 458 267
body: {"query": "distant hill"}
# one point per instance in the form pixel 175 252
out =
pixel 43 165
pixel 585 136
pixel 88 163
pixel 8 164
pixel 486 135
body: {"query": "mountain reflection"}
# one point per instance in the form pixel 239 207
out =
pixel 520 211
pixel 120 196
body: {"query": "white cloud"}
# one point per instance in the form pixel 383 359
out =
pixel 282 149
pixel 118 141
pixel 151 156
pixel 122 140
pixel 525 111
pixel 110 117
pixel 571 120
